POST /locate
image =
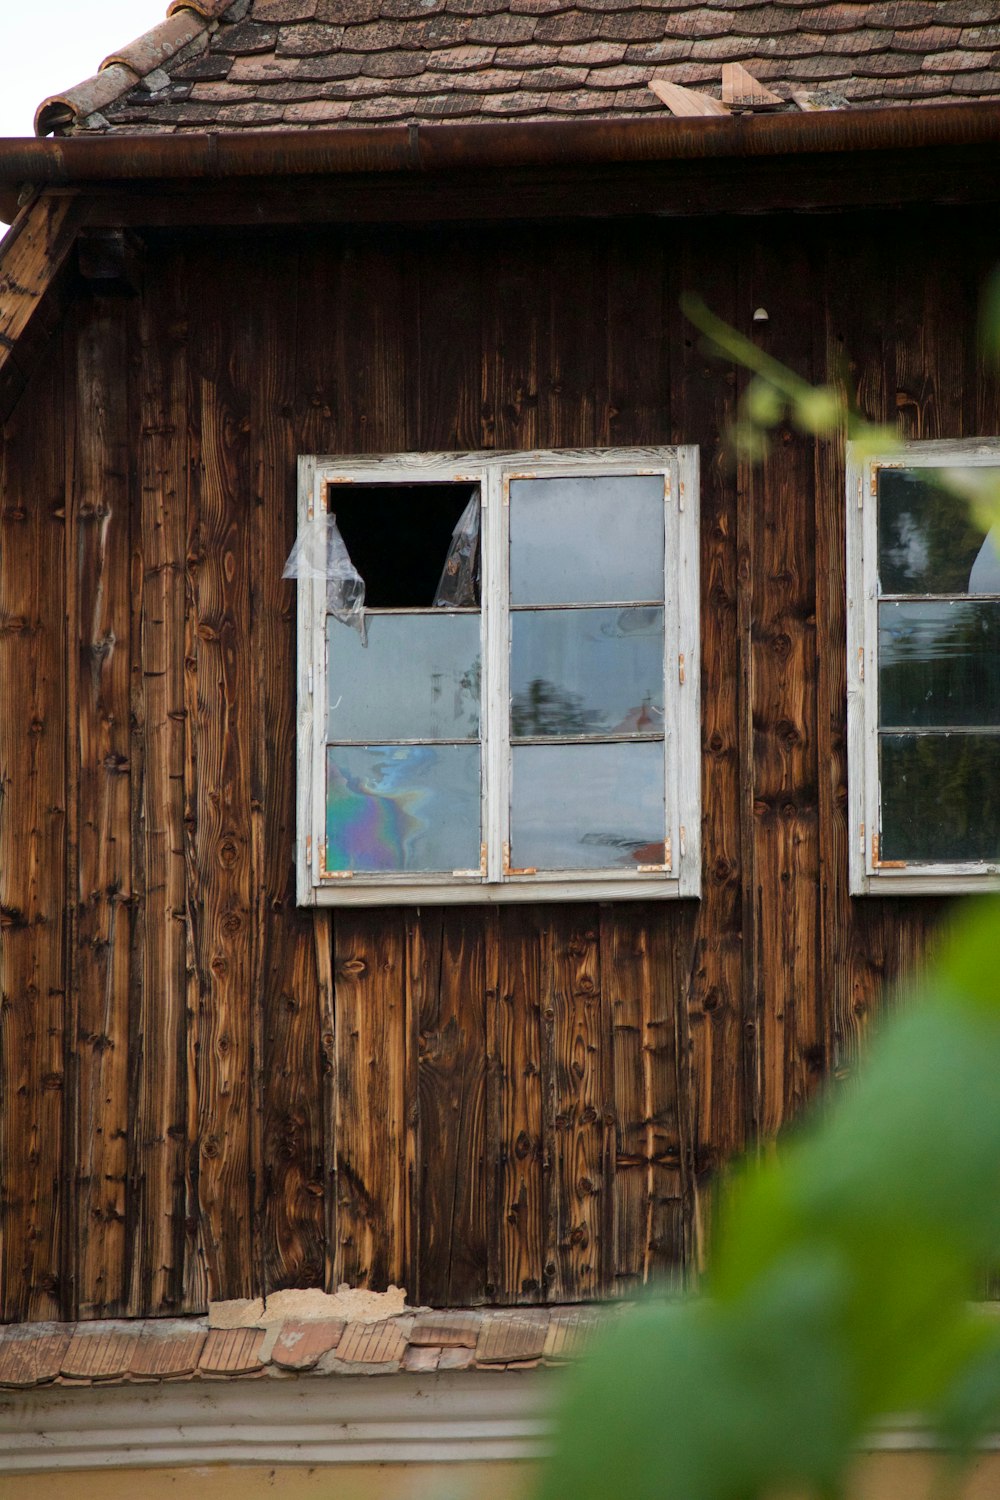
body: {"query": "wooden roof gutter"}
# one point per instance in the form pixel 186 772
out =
pixel 443 148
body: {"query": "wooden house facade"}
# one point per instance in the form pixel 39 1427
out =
pixel 208 1091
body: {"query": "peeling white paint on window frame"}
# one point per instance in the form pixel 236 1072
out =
pixel 868 874
pixel 495 881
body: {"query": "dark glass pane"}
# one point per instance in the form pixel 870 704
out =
pixel 586 540
pixel 417 678
pixel 398 537
pixel 928 539
pixel 586 671
pixel 940 797
pixel 939 664
pixel 403 807
pixel 587 807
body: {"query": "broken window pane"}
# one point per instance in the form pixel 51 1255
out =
pixel 940 797
pixel 939 664
pixel 319 553
pixel 595 539
pixel 586 671
pixel 417 679
pixel 400 536
pixel 587 807
pixel 409 808
pixel 458 586
pixel 929 541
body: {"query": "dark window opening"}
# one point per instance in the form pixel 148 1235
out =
pixel 398 537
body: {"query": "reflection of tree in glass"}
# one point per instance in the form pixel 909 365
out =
pixel 469 693
pixel 939 664
pixel 940 797
pixel 928 538
pixel 545 709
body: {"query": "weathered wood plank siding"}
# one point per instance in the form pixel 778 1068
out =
pixel 207 1092
pixel 100 744
pixel 33 892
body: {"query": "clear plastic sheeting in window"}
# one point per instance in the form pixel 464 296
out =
pixel 460 574
pixel 320 554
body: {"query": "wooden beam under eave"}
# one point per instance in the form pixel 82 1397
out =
pixel 33 256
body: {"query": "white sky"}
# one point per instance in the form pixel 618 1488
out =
pixel 48 45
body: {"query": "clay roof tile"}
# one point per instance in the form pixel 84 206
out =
pixel 429 59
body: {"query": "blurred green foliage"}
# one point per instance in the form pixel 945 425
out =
pixel 844 1264
pixel 839 1289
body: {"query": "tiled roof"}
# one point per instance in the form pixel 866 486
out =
pixel 293 64
pixel 418 1341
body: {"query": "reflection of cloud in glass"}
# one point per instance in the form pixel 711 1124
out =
pixel 591 538
pixel 587 806
pixel 418 678
pixel 985 575
pixel 928 536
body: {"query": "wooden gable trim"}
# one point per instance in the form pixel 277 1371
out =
pixel 32 258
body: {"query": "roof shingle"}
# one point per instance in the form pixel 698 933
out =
pixel 364 60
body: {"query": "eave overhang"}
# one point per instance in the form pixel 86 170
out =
pixel 841 142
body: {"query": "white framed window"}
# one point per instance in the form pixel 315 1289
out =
pixel 519 716
pixel 923 669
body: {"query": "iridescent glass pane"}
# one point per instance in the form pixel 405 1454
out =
pixel 588 807
pixel 940 797
pixel 402 807
pixel 929 541
pixel 586 540
pixel 586 671
pixel 939 664
pixel 417 678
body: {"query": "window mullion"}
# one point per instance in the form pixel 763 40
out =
pixel 870 603
pixel 496 691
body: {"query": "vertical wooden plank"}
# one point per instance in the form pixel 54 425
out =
pixel 158 1207
pixel 641 993
pixel 220 567
pixel 323 948
pixel 33 791
pixel 852 962
pixel 635 382
pixel 371 1098
pixel 626 978
pixel 574 337
pixel 368 351
pixel 701 406
pixel 786 852
pixel 446 994
pixel 511 324
pixel 101 543
pixel 517 1233
pixel 577 1146
pixel 196 1263
pixel 445 351
pixel 286 995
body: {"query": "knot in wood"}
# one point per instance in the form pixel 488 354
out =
pixel 211 1147
pixel 228 853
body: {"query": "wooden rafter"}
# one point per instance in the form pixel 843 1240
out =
pixel 32 258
